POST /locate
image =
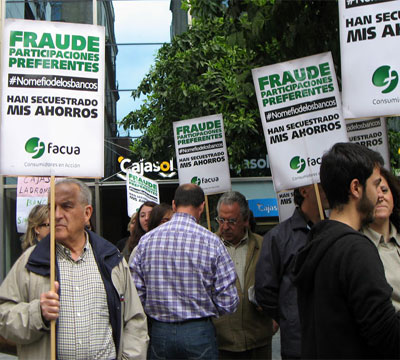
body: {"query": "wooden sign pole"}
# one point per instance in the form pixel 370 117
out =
pixel 320 208
pixel 52 263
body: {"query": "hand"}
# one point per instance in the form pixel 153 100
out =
pixel 275 327
pixel 50 304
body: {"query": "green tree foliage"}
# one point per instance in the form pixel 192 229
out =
pixel 207 70
pixel 394 151
pixel 394 143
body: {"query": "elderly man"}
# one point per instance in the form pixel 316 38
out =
pixel 98 312
pixel 184 276
pixel 247 333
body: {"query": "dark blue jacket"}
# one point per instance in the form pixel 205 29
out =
pixel 274 289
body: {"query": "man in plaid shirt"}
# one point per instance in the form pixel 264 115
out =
pixel 184 277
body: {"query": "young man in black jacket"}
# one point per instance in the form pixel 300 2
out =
pixel 274 289
pixel 343 297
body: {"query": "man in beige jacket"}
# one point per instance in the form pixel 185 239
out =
pixel 98 312
pixel 247 333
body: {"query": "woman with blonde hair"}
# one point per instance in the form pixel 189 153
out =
pixel 38 226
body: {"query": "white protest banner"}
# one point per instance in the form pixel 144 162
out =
pixel 286 205
pixel 201 154
pixel 371 133
pixel 301 116
pixel 52 99
pixel 140 189
pixel 369 43
pixel 31 191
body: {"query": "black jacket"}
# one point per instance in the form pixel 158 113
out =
pixel 344 300
pixel 274 289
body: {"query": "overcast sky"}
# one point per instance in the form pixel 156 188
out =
pixel 137 21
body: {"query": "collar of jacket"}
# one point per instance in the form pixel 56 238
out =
pixel 104 252
pixel 299 220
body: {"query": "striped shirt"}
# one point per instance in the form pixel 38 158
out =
pixel 84 329
pixel 182 271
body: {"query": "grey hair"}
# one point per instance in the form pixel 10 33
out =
pixel 232 197
pixel 85 195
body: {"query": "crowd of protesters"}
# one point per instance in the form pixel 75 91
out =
pixel 174 290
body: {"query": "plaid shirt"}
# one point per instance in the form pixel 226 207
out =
pixel 84 329
pixel 182 271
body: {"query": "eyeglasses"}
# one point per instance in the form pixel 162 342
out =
pixel 44 225
pixel 222 221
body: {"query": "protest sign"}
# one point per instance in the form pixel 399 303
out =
pixel 301 116
pixel 369 43
pixel 201 154
pixel 371 133
pixel 52 99
pixel 31 191
pixel 286 205
pixel 140 189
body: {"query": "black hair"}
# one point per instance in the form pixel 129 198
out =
pixel 394 185
pixel 157 215
pixel 297 197
pixel 343 163
pixel 138 231
pixel 189 195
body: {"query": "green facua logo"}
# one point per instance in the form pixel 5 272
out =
pixel 298 164
pixel 35 146
pixel 195 180
pixel 383 76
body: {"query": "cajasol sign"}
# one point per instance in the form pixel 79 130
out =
pixel 164 169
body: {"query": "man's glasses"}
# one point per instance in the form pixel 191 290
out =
pixel 222 221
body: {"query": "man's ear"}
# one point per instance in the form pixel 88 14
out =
pixel 88 212
pixel 173 206
pixel 303 191
pixel 356 189
pixel 201 207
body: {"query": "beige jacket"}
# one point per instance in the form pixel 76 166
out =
pixel 22 323
pixel 247 328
